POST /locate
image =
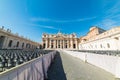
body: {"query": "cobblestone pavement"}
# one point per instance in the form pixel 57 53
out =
pixel 66 67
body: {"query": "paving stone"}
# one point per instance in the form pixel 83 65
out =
pixel 66 67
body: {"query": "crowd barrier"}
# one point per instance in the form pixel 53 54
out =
pixel 108 63
pixel 35 69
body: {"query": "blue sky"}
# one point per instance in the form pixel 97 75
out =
pixel 31 18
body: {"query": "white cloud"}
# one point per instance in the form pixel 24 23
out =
pixel 39 19
pixel 85 19
pixel 115 8
pixel 113 11
pixel 60 21
pixel 44 26
pixel 107 24
pixel 111 17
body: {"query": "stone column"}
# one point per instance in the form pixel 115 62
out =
pixel 67 44
pixel 58 44
pixel 50 44
pixel 71 44
pixel 76 44
pixel 46 44
pixel 54 43
pixel 63 44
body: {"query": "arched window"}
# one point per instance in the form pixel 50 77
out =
pixel 65 46
pixel 116 38
pixel 108 45
pixel 101 45
pixel 58 41
pixel 26 45
pixel 52 41
pixel 2 39
pixel 44 35
pixel 65 41
pixel 10 43
pixel 58 46
pixel 22 45
pixel 95 46
pixel 17 44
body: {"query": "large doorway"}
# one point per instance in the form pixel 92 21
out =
pixel 44 45
pixel 52 46
pixel 10 43
pixel 74 46
pixel 2 38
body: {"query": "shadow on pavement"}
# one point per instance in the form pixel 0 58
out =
pixel 56 71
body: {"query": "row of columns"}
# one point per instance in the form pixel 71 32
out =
pixel 61 44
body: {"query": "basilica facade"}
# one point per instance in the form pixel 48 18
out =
pixel 96 39
pixel 60 41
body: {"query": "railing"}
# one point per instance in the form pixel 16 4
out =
pixel 105 52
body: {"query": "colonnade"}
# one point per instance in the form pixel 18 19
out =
pixel 61 43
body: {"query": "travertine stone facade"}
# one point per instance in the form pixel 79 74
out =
pixel 99 39
pixel 9 40
pixel 60 41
